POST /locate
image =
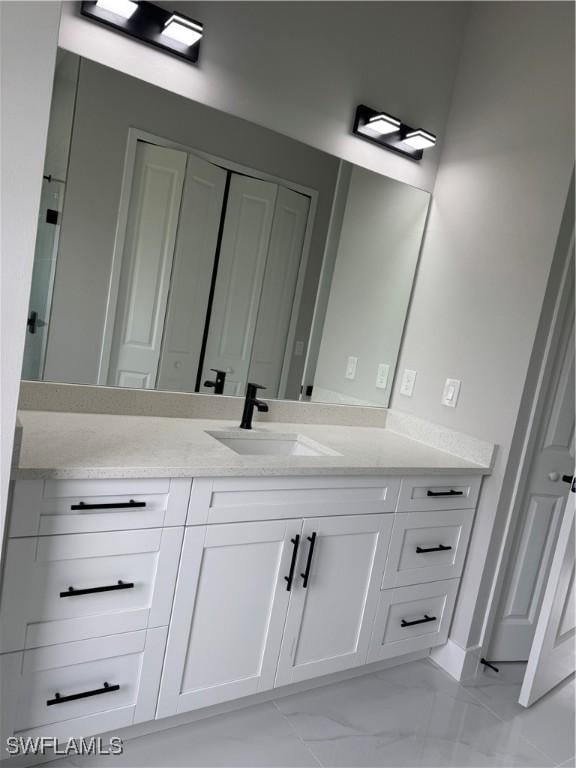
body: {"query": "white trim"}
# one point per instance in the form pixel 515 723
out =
pixel 135 135
pixel 459 663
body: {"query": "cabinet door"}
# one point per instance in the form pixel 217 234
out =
pixel 229 612
pixel 330 618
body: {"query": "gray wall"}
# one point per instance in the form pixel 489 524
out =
pixel 301 68
pixel 108 104
pixel 494 221
pixel 377 255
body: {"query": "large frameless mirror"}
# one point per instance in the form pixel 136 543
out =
pixel 184 249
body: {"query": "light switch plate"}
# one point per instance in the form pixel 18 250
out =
pixel 351 368
pixel 408 381
pixel 450 392
pixel 382 376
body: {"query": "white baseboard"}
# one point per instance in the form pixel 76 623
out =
pixel 460 663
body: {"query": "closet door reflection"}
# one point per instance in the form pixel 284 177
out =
pixel 277 301
pixel 241 266
pixel 255 287
pixel 147 264
pixel 200 215
pixel 208 277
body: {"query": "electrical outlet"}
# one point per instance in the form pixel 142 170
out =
pixel 382 376
pixel 450 392
pixel 351 368
pixel 408 381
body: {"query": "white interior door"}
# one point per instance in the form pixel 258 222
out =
pixel 196 245
pixel 153 214
pixel 330 619
pixel 229 612
pixel 552 658
pixel 542 509
pixel 278 289
pixel 243 254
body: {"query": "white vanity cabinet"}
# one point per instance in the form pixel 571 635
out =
pixel 286 579
pixel 125 600
pixel 260 604
pixel 88 582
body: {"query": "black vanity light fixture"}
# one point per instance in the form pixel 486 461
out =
pixel 389 132
pixel 172 32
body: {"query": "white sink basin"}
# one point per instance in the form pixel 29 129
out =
pixel 258 444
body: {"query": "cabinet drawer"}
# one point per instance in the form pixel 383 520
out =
pixel 427 546
pixel 412 619
pixel 419 494
pixel 120 582
pixel 232 500
pixel 82 688
pixel 42 507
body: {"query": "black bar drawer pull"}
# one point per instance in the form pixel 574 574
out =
pixel 92 590
pixel 58 699
pixel 116 505
pixel 425 620
pixel 439 548
pixel 306 574
pixel 290 578
pixel 451 492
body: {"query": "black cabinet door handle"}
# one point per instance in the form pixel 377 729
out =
pixel 306 574
pixel 58 699
pixel 451 492
pixel 92 590
pixel 290 578
pixel 439 548
pixel 425 620
pixel 116 505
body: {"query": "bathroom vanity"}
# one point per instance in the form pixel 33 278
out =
pixel 187 574
pixel 167 562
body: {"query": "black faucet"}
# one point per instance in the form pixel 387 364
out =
pixel 250 403
pixel 219 383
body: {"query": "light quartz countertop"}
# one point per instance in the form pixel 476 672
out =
pixel 86 445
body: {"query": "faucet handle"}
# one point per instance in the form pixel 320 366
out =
pixel 219 383
pixel 252 389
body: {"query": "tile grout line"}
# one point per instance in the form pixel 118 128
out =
pixel 300 739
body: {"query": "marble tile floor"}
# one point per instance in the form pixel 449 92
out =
pixel 411 715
